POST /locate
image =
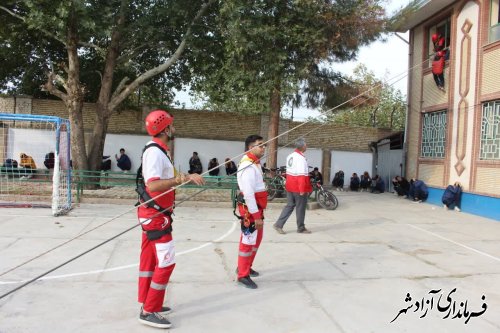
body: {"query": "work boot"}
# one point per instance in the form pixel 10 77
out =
pixel 154 319
pixel 252 272
pixel 247 282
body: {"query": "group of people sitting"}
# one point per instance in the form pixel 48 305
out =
pixel 359 183
pixel 417 190
pixel 213 166
pixel 26 166
pixel 414 189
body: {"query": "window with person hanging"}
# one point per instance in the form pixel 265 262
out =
pixel 440 38
pixel 494 33
pixel 490 131
pixel 433 134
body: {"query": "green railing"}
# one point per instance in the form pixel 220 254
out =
pixel 33 175
pixel 84 179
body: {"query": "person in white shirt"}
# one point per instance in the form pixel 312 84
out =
pixel 298 186
pixel 251 204
pixel 157 259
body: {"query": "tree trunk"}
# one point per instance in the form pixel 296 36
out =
pixel 96 147
pixel 274 123
pixel 103 108
pixel 392 116
pixel 374 117
pixel 74 99
pixel 78 151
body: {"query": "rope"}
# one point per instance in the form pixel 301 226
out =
pixel 396 78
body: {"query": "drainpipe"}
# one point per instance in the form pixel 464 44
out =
pixel 408 105
pixel 373 147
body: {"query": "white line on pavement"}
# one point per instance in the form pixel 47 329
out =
pixel 456 243
pixel 62 276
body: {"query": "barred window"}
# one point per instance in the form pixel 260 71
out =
pixel 490 131
pixel 433 134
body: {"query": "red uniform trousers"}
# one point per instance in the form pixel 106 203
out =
pixel 249 244
pixel 157 263
pixel 247 254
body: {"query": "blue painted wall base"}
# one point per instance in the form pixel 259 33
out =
pixel 471 203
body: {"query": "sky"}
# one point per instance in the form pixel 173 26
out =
pixel 387 59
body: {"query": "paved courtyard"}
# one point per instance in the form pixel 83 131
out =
pixel 373 258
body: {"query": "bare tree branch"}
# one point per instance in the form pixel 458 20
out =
pixel 100 75
pixel 48 33
pixel 51 88
pixel 120 97
pixel 130 54
pixel 120 87
pixel 60 80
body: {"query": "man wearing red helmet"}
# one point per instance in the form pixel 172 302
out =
pixel 157 259
pixel 438 69
pixel 439 59
pixel 438 42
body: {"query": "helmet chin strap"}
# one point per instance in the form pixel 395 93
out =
pixel 169 134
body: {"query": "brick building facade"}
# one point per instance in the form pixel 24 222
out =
pixel 454 135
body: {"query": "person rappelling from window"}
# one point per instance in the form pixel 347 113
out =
pixel 438 69
pixel 439 59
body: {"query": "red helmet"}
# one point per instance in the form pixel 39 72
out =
pixel 157 121
pixel 435 37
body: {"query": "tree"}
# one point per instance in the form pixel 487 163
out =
pixel 272 50
pixel 101 51
pixel 378 104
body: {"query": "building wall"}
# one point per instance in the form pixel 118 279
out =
pixel 464 91
pixel 415 100
pixel 207 132
pixel 217 125
pixel 491 72
pixel 388 163
pixel 471 78
pixel 430 95
pixel 349 162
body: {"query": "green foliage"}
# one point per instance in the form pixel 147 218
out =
pixel 397 21
pixel 373 103
pixel 151 34
pixel 278 44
